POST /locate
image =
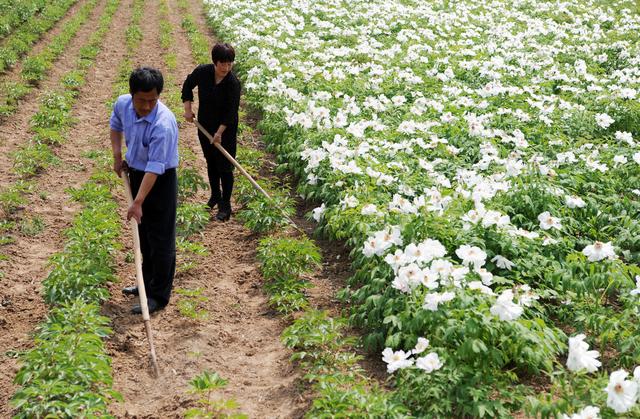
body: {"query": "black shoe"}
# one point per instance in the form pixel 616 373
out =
pixel 211 203
pixel 152 304
pixel 132 290
pixel 224 211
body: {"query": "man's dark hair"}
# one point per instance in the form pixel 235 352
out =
pixel 145 79
pixel 223 53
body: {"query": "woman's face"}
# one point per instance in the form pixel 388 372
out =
pixel 223 68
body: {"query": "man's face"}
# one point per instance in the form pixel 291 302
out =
pixel 144 102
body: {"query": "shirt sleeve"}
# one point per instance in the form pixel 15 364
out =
pixel 115 122
pixel 160 149
pixel 230 108
pixel 189 84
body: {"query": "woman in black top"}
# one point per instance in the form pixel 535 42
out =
pixel 219 97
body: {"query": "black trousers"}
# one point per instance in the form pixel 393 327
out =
pixel 158 233
pixel 219 169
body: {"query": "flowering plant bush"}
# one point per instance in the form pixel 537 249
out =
pixel 481 160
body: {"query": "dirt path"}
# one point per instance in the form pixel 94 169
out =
pixel 21 305
pixel 240 337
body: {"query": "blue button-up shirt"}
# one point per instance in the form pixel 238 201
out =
pixel 152 141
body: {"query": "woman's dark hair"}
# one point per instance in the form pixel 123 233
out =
pixel 223 53
pixel 145 79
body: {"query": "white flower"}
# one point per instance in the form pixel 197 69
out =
pixel 369 209
pixel 621 394
pixel 636 375
pixel 619 159
pixel 505 308
pixel 471 255
pixel 502 262
pixel 580 357
pixel 589 412
pixel 603 120
pixel 431 362
pixel 637 290
pixel 421 345
pixel 574 202
pixel 396 360
pixel 547 221
pixel 432 300
pixel 349 201
pixel 478 285
pixel 636 157
pixel 318 212
pixel 598 251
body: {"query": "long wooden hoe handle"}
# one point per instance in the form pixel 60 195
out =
pixel 140 279
pixel 244 172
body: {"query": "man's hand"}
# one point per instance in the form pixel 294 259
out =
pixel 217 138
pixel 119 165
pixel 189 115
pixel 135 211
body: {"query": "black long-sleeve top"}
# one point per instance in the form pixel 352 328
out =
pixel 218 105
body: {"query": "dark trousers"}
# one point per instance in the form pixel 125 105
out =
pixel 217 179
pixel 158 233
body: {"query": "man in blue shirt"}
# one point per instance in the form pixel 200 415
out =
pixel 151 134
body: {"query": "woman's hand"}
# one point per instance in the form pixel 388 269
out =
pixel 217 138
pixel 189 115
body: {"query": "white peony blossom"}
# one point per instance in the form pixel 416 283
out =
pixel 603 120
pixel 502 262
pixel 574 202
pixel 580 357
pixel 598 251
pixel 318 212
pixel 396 360
pixel 471 255
pixel 421 345
pixel 505 308
pixel 589 412
pixel 547 221
pixel 621 394
pixel 431 362
pixel 432 300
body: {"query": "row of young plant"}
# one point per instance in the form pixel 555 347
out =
pixel 68 372
pixel 480 160
pixel 50 124
pixel 14 12
pixel 35 67
pixel 29 31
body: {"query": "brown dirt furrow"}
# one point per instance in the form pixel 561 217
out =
pixel 21 304
pixel 14 130
pixel 240 339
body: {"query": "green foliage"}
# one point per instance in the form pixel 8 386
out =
pixel 33 159
pixel 67 373
pixel 287 256
pixel 189 183
pixel 20 41
pixel 32 226
pixel 87 261
pixel 204 385
pixel 11 200
pixel 343 389
pixel 190 303
pixel 191 219
pixel 263 215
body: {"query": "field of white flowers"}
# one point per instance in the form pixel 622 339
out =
pixel 482 159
